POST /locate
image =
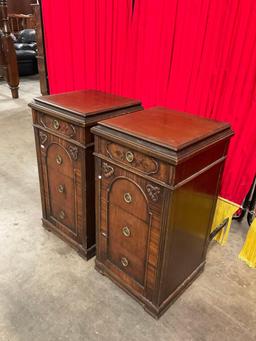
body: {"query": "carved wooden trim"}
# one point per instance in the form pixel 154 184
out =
pixel 43 137
pixel 74 130
pixel 73 151
pixel 136 163
pixel 153 192
pixel 42 122
pixel 107 170
pixel 60 131
pixel 122 157
pixel 156 166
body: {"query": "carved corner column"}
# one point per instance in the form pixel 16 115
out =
pixel 8 51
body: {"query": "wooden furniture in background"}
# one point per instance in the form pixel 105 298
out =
pixel 64 147
pixel 157 180
pixel 8 60
pixel 20 6
pixel 20 22
pixel 41 60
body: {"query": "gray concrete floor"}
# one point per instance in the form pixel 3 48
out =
pixel 49 293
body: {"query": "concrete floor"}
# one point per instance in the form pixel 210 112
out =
pixel 49 293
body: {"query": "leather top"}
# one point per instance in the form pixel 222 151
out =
pixel 165 127
pixel 86 102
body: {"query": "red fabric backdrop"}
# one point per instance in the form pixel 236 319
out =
pixel 192 55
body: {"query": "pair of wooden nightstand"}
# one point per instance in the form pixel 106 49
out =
pixel 157 179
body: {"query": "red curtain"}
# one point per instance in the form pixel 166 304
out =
pixel 192 55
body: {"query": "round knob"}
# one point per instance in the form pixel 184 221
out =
pixel 126 231
pixel 124 261
pixel 127 198
pixel 59 159
pixel 129 156
pixel 62 215
pixel 61 188
pixel 56 124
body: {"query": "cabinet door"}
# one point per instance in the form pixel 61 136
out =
pixel 129 225
pixel 61 164
pixel 60 173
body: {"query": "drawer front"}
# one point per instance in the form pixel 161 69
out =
pixel 62 199
pixel 126 195
pixel 61 127
pixel 59 159
pixel 127 243
pixel 136 160
pixel 61 170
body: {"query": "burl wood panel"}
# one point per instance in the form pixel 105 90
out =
pixel 155 200
pixel 64 147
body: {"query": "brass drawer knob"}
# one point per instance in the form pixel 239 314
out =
pixel 59 159
pixel 61 188
pixel 62 215
pixel 127 198
pixel 56 124
pixel 124 261
pixel 129 156
pixel 126 231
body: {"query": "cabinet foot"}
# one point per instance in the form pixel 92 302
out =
pixel 99 269
pixel 15 92
pixel 86 253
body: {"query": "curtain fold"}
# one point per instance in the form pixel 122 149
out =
pixel 197 56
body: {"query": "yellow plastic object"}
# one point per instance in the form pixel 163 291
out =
pixel 224 210
pixel 248 252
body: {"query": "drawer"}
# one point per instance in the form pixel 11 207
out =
pixel 130 192
pixel 128 196
pixel 127 243
pixel 60 127
pixel 62 199
pixel 138 161
pixel 60 159
pixel 64 214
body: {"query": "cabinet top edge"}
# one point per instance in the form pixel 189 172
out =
pixel 85 103
pixel 163 153
pixel 167 128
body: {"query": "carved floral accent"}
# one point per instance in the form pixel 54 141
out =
pixel 73 150
pixel 153 192
pixel 43 137
pixel 107 170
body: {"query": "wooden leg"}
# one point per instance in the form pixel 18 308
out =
pixel 15 92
